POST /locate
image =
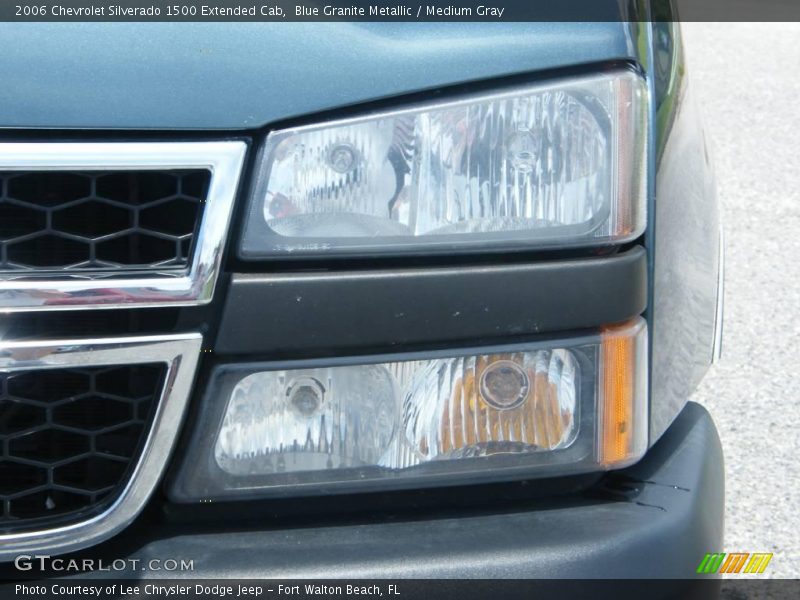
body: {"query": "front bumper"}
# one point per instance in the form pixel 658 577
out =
pixel 655 520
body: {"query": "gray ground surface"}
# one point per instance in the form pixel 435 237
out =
pixel 747 77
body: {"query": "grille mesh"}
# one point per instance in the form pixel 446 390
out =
pixel 78 221
pixel 68 437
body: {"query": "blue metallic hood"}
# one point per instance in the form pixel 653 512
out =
pixel 247 75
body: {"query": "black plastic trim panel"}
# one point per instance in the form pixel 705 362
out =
pixel 315 313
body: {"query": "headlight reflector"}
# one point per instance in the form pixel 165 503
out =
pixel 548 165
pixel 573 406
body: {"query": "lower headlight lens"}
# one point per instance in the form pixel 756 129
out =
pixel 489 404
pixel 309 419
pixel 578 405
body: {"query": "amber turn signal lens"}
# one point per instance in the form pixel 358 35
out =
pixel 624 392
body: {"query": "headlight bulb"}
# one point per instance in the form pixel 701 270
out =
pixel 305 395
pixel 504 385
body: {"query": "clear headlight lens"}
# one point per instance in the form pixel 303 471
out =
pixel 547 165
pixel 578 405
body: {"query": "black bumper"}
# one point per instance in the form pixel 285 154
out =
pixel 656 519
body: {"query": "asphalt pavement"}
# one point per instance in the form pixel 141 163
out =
pixel 747 78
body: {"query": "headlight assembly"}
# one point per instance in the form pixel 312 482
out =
pixel 569 406
pixel 548 165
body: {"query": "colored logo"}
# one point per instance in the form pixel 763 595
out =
pixel 735 562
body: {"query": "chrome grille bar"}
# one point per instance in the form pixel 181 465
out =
pixel 43 290
pixel 179 353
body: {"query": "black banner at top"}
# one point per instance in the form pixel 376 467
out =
pixel 396 10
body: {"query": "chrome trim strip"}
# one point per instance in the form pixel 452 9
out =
pixel 71 291
pixel 180 353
